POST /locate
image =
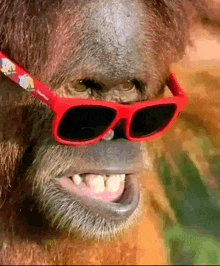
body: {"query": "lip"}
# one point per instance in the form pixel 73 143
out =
pixel 106 171
pixel 124 206
pixel 113 157
pixel 119 210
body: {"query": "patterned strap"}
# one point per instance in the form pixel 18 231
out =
pixel 24 79
pixel 16 73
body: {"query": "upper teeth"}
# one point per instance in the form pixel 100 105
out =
pixel 113 183
pixel 100 183
pixel 97 183
pixel 77 179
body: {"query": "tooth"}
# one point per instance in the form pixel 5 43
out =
pixel 96 182
pixel 77 179
pixel 122 177
pixel 113 183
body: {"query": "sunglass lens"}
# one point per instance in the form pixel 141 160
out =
pixel 151 119
pixel 85 122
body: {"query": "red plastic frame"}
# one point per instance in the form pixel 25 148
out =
pixel 59 105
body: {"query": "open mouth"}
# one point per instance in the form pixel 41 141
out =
pixel 107 188
pixel 109 202
pixel 110 195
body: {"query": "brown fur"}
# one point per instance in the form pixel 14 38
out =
pixel 25 124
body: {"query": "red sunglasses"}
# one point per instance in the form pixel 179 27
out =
pixel 86 121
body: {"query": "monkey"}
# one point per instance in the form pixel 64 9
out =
pixel 113 51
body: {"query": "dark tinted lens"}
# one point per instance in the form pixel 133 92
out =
pixel 151 119
pixel 85 122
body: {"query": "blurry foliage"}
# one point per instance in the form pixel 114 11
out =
pixel 187 162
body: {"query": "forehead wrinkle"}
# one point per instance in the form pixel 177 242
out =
pixel 114 29
pixel 64 45
pixel 121 22
pixel 111 36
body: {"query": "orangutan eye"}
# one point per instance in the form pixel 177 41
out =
pixel 87 84
pixel 80 86
pixel 131 86
pixel 127 86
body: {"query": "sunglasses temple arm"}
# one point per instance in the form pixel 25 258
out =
pixel 42 93
pixel 176 89
pixel 20 76
pixel 174 86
